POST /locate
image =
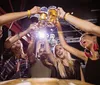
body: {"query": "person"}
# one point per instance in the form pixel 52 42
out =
pixel 81 24
pixel 18 66
pixel 9 17
pixel 39 70
pixel 62 65
pixel 92 59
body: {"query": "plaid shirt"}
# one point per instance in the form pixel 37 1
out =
pixel 9 69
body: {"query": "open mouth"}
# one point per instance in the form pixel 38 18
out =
pixel 84 42
pixel 60 53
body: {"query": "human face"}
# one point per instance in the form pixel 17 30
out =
pixel 60 52
pixel 16 47
pixel 86 41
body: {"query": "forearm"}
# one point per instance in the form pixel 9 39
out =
pixel 82 75
pixel 70 49
pixel 19 36
pixel 46 62
pixel 50 54
pixel 6 18
pixel 81 24
pixel 60 34
pixel 30 48
pixel 47 46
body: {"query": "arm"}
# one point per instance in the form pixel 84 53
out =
pixel 50 54
pixel 80 23
pixel 45 61
pixel 31 46
pixel 30 51
pixel 81 73
pixel 45 52
pixel 70 49
pixel 17 15
pixel 11 40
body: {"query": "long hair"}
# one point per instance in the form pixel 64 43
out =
pixel 21 48
pixel 60 66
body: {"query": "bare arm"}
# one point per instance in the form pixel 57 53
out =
pixel 80 23
pixel 31 46
pixel 30 51
pixel 81 73
pixel 11 40
pixel 72 50
pixel 6 18
pixel 50 54
pixel 45 62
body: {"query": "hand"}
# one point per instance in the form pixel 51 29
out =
pixel 61 12
pixel 33 26
pixel 35 10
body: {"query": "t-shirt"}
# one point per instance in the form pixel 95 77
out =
pixel 92 71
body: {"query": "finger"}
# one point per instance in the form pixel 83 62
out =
pixel 39 12
pixel 59 7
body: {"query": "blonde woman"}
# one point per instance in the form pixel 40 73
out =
pixel 62 65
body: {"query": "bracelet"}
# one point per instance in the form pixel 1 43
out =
pixel 60 32
pixel 66 14
pixel 29 13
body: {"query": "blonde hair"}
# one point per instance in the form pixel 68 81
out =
pixel 60 67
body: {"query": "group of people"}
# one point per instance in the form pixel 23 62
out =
pixel 62 65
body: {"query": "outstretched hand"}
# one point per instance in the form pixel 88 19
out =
pixel 61 12
pixel 35 10
pixel 33 26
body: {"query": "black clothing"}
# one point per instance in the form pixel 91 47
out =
pixel 92 71
pixel 70 75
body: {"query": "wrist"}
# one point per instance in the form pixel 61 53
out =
pixel 60 32
pixel 66 15
pixel 28 13
pixel 29 30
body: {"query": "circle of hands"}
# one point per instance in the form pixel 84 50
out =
pixel 37 10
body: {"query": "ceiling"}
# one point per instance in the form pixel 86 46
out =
pixel 85 9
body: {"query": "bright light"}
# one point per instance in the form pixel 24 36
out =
pixel 42 34
pixel 51 30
